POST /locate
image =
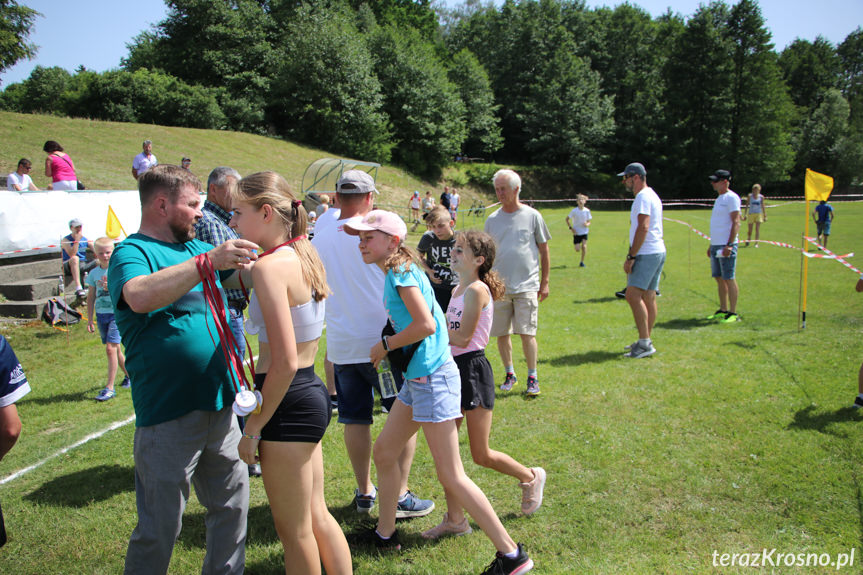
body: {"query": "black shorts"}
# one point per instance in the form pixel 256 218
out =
pixel 442 295
pixel 577 239
pixel 477 380
pixel 304 413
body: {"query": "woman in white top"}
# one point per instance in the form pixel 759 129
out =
pixel 286 310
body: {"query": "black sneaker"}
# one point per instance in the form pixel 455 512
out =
pixel 858 402
pixel 502 565
pixel 621 294
pixel 370 538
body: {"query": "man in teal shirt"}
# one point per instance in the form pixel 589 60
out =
pixel 185 430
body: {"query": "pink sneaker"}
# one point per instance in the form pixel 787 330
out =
pixel 448 528
pixel 531 493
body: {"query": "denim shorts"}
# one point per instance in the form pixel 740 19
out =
pixel 355 385
pixel 723 267
pixel 646 270
pixel 108 328
pixel 435 398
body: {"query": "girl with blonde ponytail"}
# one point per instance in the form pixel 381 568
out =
pixel 286 310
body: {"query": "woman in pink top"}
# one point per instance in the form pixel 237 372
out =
pixel 59 167
pixel 469 317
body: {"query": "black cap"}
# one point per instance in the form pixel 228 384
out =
pixel 720 175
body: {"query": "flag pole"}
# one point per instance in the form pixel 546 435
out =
pixel 805 264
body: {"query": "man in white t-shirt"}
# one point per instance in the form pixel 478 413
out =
pixel 145 160
pixel 19 180
pixel 724 224
pixel 645 258
pixel 355 316
pixel 523 264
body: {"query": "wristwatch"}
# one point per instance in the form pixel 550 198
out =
pixel 385 343
pixel 629 257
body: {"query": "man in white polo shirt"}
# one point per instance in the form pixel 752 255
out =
pixel 145 160
pixel 645 258
pixel 355 317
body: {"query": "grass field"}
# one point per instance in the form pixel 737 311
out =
pixel 731 439
pixel 103 153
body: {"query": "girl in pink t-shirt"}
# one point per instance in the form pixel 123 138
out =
pixel 469 318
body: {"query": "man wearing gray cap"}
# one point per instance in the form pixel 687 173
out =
pixel 355 317
pixel 724 224
pixel 645 258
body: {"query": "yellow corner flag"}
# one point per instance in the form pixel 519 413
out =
pixel 818 186
pixel 113 228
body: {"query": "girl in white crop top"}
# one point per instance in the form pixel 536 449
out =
pixel 286 311
pixel 469 318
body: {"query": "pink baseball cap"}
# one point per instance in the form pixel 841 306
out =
pixel 380 220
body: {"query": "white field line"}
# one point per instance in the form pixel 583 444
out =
pixel 90 437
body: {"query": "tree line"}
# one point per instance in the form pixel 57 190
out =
pixel 536 82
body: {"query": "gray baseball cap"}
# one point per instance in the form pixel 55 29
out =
pixel 633 169
pixel 356 182
pixel 75 222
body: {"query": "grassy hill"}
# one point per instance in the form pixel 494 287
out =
pixel 103 153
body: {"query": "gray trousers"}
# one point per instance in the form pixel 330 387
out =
pixel 199 448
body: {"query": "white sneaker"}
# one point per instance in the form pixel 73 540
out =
pixel 447 528
pixel 638 351
pixel 531 493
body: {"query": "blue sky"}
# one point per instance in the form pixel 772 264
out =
pixel 94 33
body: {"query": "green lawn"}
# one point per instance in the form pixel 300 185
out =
pixel 731 439
pixel 103 153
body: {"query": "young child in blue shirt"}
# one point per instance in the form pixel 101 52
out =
pixel 431 395
pixel 99 298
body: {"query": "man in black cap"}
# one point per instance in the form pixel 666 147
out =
pixel 724 224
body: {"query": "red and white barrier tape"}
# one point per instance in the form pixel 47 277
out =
pixel 827 255
pixel 30 249
pixel 839 259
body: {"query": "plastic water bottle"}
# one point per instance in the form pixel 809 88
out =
pixel 386 380
pixel 61 287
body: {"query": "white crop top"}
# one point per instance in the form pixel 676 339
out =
pixel 307 318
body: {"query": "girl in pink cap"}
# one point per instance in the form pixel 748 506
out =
pixel 431 395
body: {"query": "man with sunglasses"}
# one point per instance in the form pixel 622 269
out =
pixel 645 258
pixel 724 225
pixel 19 180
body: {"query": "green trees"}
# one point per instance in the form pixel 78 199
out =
pixel 761 111
pixel 828 144
pixel 425 108
pixel 325 92
pixel 809 70
pixel 15 24
pixel 544 82
pixel 552 108
pixel 483 126
pixel 225 44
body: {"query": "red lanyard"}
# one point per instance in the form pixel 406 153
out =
pixel 266 253
pixel 226 337
pixel 216 304
pixel 290 241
